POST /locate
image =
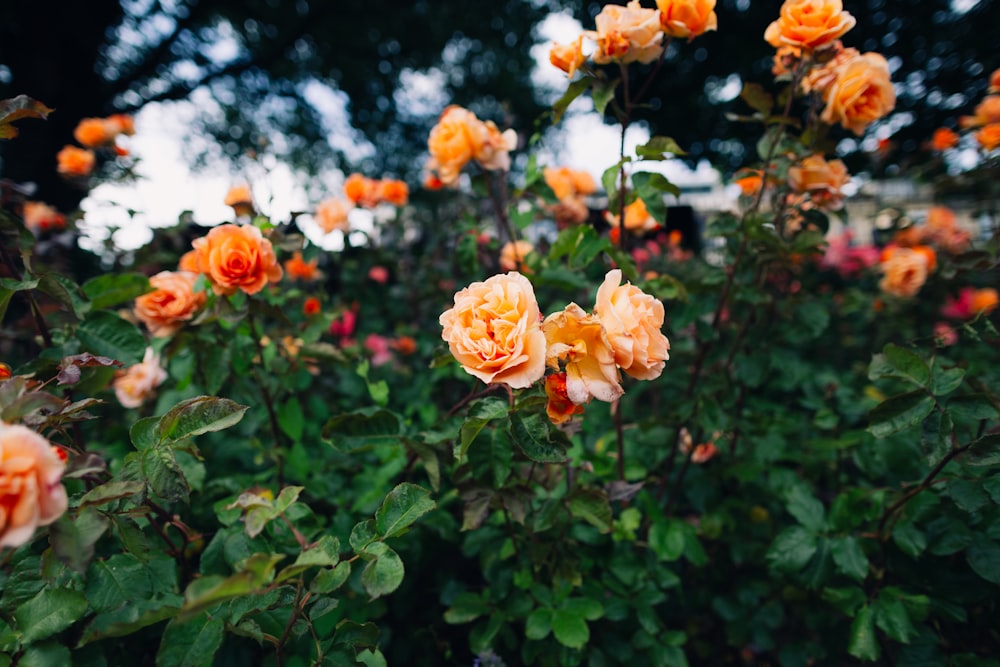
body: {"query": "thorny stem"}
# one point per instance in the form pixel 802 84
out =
pixel 268 402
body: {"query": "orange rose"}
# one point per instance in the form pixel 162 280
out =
pixel 240 199
pixel 493 331
pixel 453 142
pixel 627 34
pixel 512 255
pixel 123 123
pixel 5 371
pixel 687 18
pixel 633 320
pixel 361 191
pixel 299 269
pixel 237 257
pixel 809 24
pixel 862 93
pixel 332 214
pixel 905 272
pixel 579 340
pixel 311 306
pixel 94 132
pixel 637 218
pixel 989 136
pixel 189 262
pixel 393 192
pixel 984 300
pixel 818 79
pixel 39 217
pixel 405 345
pixel 494 153
pixel 941 228
pixel 986 112
pixel 137 383
pixel 172 303
pixel 73 161
pixel 566 182
pixel 568 57
pixel 31 493
pixel 821 179
pixel 558 407
pixel 749 185
pixel 943 139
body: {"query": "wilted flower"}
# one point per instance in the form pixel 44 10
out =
pixel 687 19
pixel 493 331
pixel 627 34
pixel 137 383
pixel 809 24
pixel 31 490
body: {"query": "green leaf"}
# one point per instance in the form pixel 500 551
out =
pixel 105 334
pixel 163 474
pixel 806 509
pixel 900 362
pixel 946 380
pixel 659 148
pixel 51 611
pixel 792 549
pixel 480 414
pixel 967 494
pixel 112 289
pixel 757 98
pixel 405 504
pixel 666 539
pixel 490 457
pixel 533 436
pixel 985 451
pixel 900 413
pixel 360 428
pixel 593 506
pixel 983 557
pixel 383 575
pixel 73 539
pixel 589 608
pixel 465 608
pixel 47 654
pixel 198 415
pixel 972 407
pixel 602 93
pixel 910 539
pixel 849 558
pixel 356 635
pixel 190 642
pixel 291 419
pixel 863 644
pixel 111 491
pixel 324 553
pixel 892 619
pixel 329 580
pixel 575 89
pixel 569 629
pixel 538 625
pixel 118 580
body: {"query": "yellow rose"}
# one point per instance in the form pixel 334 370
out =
pixel 687 18
pixel 579 340
pixel 31 493
pixel 809 24
pixel 861 93
pixel 627 34
pixel 632 320
pixel 494 331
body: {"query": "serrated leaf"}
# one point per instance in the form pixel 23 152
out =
pixel 105 334
pixel 862 643
pixel 198 415
pixel 900 413
pixel 111 491
pixel 593 506
pixel 402 506
pixel 490 457
pixel 972 407
pixel 163 474
pixel 900 362
pixel 356 635
pixel 480 414
pixel 892 619
pixel 792 549
pixel 190 642
pixel 383 575
pixel 328 580
pixel 983 557
pixel 361 428
pixel 51 611
pixel 112 289
pixel 985 451
pixel 806 509
pixel 569 629
pixel 533 437
pixel 849 558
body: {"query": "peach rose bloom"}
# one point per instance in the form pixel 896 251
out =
pixel 494 331
pixel 361 191
pixel 494 153
pixel 821 179
pixel 189 262
pixel 943 139
pixel 627 34
pixel 558 406
pixel 809 24
pixel 73 161
pixel 299 269
pixel 632 320
pixel 332 214
pixel 39 217
pixel 237 257
pixel 905 272
pixel 393 192
pixel 172 303
pixel 637 218
pixel 942 229
pixel 31 493
pixel 818 79
pixel 454 141
pixel 512 255
pixel 137 383
pixel 687 18
pixel 94 132
pixel 579 340
pixel 989 136
pixel 566 182
pixel 568 57
pixel 123 123
pixel 984 300
pixel 240 199
pixel 861 94
pixel 986 112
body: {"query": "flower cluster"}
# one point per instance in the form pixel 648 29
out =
pixel 359 191
pixel 496 332
pixel 635 34
pixel 93 133
pixel 570 186
pixel 459 137
pixel 985 119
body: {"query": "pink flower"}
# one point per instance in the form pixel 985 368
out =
pixel 846 259
pixel 380 347
pixel 945 335
pixel 379 274
pixel 344 326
